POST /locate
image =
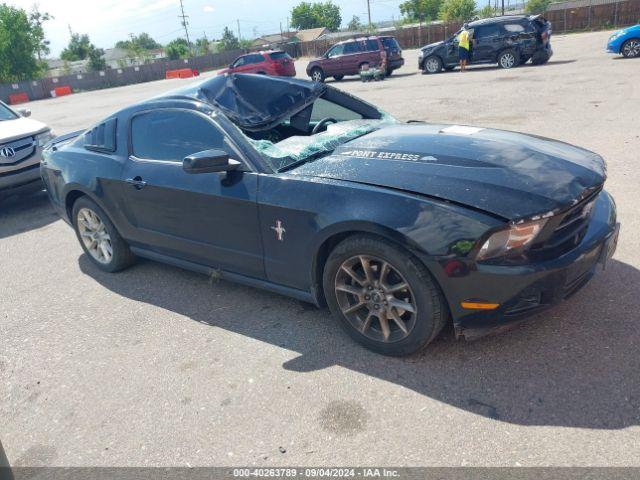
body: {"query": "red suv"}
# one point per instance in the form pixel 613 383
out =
pixel 275 62
pixel 350 56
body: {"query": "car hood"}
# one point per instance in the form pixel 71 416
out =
pixel 508 174
pixel 20 127
pixel 432 46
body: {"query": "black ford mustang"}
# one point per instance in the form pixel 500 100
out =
pixel 307 191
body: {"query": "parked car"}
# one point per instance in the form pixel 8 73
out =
pixel 351 56
pixel 21 143
pixel 625 42
pixel 274 62
pixel 508 41
pixel 307 191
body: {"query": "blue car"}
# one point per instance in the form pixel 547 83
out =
pixel 625 42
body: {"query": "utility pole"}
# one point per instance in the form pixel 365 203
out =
pixel 503 8
pixel 185 24
pixel 239 34
pixel 369 12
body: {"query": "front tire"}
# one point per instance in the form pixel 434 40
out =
pixel 432 65
pixel 337 78
pixel 99 238
pixel 631 48
pixel 317 75
pixel 508 59
pixel 382 296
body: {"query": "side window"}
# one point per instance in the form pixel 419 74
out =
pixel 324 108
pixel 371 45
pixel 513 27
pixel 488 31
pixel 351 47
pixel 172 135
pixel 239 62
pixel 256 58
pixel 336 51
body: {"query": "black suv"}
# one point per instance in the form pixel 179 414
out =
pixel 508 41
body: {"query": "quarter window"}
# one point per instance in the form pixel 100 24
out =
pixel 172 135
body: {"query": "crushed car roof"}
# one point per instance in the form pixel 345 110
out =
pixel 254 102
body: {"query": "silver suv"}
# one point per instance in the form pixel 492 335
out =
pixel 21 142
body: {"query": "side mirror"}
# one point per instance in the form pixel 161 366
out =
pixel 209 161
pixel 24 112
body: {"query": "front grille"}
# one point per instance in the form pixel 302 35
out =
pixel 566 230
pixel 23 148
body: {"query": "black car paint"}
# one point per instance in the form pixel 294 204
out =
pixel 526 44
pixel 225 221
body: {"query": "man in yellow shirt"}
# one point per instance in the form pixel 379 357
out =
pixel 463 47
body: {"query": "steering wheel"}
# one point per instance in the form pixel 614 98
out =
pixel 322 123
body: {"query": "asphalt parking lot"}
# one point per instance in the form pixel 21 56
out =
pixel 159 366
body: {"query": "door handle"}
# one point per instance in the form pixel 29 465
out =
pixel 137 182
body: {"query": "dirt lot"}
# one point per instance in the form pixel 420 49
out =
pixel 156 366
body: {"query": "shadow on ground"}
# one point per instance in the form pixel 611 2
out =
pixel 22 213
pixel 576 366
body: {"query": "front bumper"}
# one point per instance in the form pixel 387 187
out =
pixel 614 46
pixel 525 290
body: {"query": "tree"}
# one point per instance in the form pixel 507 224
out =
pixel 37 19
pixel 457 10
pixel 536 7
pixel 178 48
pixel 420 10
pixel 229 41
pixel 203 46
pixel 144 41
pixel 78 49
pixel 96 60
pixel 486 12
pixel 21 38
pixel 355 25
pixel 307 15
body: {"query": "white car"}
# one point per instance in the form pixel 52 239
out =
pixel 21 143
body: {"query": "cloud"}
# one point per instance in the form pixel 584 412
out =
pixel 208 8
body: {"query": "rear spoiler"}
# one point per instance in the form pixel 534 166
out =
pixel 63 138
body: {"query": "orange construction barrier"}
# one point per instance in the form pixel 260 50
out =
pixel 18 98
pixel 181 73
pixel 61 91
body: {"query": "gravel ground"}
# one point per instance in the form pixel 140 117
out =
pixel 157 366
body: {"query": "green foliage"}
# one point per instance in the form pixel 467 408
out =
pixel 203 46
pixel 307 15
pixel 486 12
pixel 355 25
pixel 37 19
pixel 246 44
pixel 229 41
pixel 79 48
pixel 420 10
pixel 21 39
pixel 178 48
pixel 96 62
pixel 144 41
pixel 535 7
pixel 457 10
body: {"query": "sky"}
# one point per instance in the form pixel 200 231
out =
pixel 107 21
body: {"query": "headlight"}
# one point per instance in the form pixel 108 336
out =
pixel 513 238
pixel 44 138
pixel 616 35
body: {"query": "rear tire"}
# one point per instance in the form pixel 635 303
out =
pixel 432 65
pixel 508 59
pixel 631 48
pixel 369 304
pixel 389 72
pixel 99 238
pixel 539 58
pixel 317 75
pixel 337 78
pixel 524 59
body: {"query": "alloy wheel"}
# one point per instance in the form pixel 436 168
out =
pixel 631 49
pixel 375 298
pixel 433 65
pixel 94 235
pixel 507 60
pixel 316 76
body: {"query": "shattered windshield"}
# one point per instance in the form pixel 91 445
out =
pixel 298 149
